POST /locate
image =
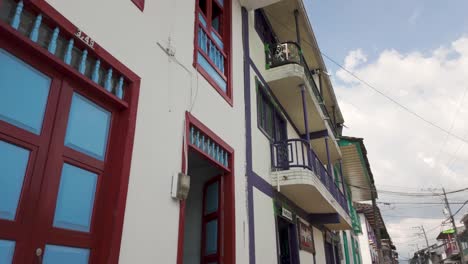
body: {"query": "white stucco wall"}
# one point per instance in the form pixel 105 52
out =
pixel 319 246
pixel 167 90
pixel 364 241
pixel 306 257
pixel 349 237
pixel 265 230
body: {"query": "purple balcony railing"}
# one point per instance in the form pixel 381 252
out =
pixel 297 153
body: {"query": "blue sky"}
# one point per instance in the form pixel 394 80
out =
pixel 404 48
pixel 375 25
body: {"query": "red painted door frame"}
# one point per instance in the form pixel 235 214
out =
pixel 228 222
pixel 123 131
pixel 213 258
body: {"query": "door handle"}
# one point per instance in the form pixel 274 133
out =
pixel 39 255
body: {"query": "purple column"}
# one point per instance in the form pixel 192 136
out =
pixel 329 169
pixel 306 122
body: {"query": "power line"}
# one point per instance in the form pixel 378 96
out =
pixel 423 194
pixel 375 89
pixel 453 121
pixel 394 101
pixel 409 216
pixel 461 207
pixel 390 203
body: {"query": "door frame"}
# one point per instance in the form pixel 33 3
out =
pixel 121 153
pixel 228 248
pixel 293 239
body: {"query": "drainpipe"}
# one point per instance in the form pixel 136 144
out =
pixel 298 33
pixel 306 121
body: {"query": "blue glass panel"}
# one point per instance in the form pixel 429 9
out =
pixel 69 255
pixel 211 198
pixel 7 248
pixel 13 163
pixel 217 40
pixel 88 127
pixel 75 199
pixel 212 72
pixel 211 237
pixel 202 19
pixel 24 92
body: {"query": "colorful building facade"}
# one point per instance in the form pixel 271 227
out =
pixel 170 132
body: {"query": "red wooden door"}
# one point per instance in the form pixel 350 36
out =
pixel 212 221
pixel 54 138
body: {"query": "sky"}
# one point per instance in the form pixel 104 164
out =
pixel 416 52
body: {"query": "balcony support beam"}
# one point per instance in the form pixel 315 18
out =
pixel 306 120
pixel 332 218
pixel 329 166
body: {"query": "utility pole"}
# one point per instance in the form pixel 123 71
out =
pixel 376 228
pixel 421 227
pixel 425 236
pixel 459 244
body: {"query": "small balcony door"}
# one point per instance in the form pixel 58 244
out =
pixel 211 222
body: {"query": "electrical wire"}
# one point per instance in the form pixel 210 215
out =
pixel 405 108
pixel 390 203
pixel 447 132
pixel 420 194
pixel 461 207
pixel 453 122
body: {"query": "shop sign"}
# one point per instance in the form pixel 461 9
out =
pixel 306 240
pixel 286 214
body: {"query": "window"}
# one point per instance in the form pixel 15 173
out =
pixel 140 4
pixel 212 44
pixel 65 140
pixel 263 28
pixel 269 119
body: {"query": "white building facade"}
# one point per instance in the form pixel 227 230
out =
pixel 105 102
pixel 108 108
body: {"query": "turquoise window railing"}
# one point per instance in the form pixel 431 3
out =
pixel 74 50
pixel 206 145
pixel 211 56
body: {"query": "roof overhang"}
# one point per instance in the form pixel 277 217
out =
pixel 356 168
pixel 282 20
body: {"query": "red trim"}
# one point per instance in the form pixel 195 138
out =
pixel 214 84
pixel 226 29
pixel 213 258
pixel 119 155
pixel 71 29
pixel 197 123
pixel 228 202
pixel 207 157
pixel 140 4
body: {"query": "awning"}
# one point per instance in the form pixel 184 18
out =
pixel 446 234
pixel 356 168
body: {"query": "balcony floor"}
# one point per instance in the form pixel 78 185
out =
pixel 305 189
pixel 284 82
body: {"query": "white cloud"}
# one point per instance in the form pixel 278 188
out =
pixel 403 150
